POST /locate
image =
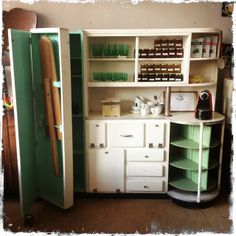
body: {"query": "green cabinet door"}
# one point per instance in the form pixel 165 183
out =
pixel 34 153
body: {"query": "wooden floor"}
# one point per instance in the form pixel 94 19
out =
pixel 121 215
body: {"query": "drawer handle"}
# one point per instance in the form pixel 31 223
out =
pixel 146 156
pixel 145 186
pixel 97 125
pixel 106 152
pixel 160 145
pixel 126 135
pixel 156 125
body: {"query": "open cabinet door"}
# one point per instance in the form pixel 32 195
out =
pixel 34 144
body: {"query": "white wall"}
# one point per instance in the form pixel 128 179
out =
pixel 123 14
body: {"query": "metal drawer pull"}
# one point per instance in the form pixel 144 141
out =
pixel 145 186
pixel 92 145
pixel 126 135
pixel 101 145
pixel 160 145
pixel 146 156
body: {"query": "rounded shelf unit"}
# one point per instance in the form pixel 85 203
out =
pixel 195 158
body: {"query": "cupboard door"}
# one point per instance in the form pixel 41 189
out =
pixel 106 170
pixel 34 153
pixel 155 134
pixel 21 74
pixel 97 134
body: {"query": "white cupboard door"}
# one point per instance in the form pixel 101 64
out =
pixel 106 170
pixel 97 134
pixel 126 134
pixel 155 134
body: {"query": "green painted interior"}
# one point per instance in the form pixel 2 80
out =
pixel 51 187
pixel 76 54
pixel 184 156
pixel 26 120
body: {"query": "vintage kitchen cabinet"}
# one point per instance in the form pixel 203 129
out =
pixel 36 175
pixel 124 64
pixel 127 163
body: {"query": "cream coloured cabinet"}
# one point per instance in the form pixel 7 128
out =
pixel 128 163
pixel 106 170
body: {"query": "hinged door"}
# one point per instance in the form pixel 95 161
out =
pixel 34 144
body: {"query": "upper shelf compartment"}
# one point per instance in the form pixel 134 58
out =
pixel 205 46
pixel 114 48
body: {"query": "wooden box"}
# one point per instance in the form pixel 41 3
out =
pixel 111 107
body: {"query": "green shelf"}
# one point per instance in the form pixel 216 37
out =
pixel 78 115
pixel 188 143
pixel 76 58
pixel 185 143
pixel 183 163
pixel 183 183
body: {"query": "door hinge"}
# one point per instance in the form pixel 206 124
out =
pixel 30 40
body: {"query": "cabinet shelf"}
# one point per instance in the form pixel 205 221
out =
pixel 187 164
pixel 205 84
pixel 76 58
pixel 77 115
pixel 112 59
pixel 204 59
pixel 161 59
pixel 183 183
pixel 188 143
pixel 135 84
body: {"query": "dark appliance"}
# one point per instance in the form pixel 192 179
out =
pixel 204 106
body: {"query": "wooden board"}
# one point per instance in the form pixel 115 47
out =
pixel 49 71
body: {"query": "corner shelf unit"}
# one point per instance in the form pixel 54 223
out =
pixel 76 61
pixel 195 158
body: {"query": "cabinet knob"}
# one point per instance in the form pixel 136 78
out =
pixel 160 145
pixel 97 125
pixel 92 145
pixel 146 156
pixel 145 186
pixel 156 125
pixel 106 152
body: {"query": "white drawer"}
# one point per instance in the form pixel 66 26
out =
pixel 155 134
pixel 145 155
pixel 145 169
pixel 133 185
pixel 125 134
pixel 97 134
